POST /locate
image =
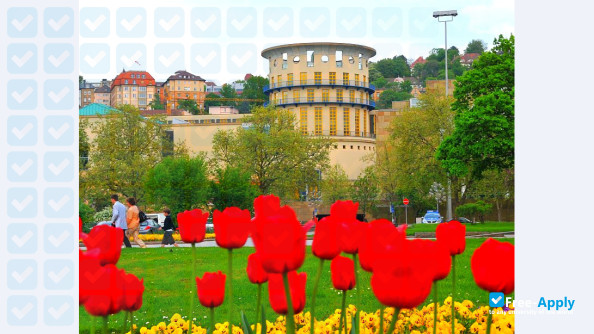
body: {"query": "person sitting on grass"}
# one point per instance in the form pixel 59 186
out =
pixel 168 227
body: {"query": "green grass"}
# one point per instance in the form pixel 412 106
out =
pixel 484 227
pixel 168 284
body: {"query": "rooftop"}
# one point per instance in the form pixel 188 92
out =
pixel 322 44
pixel 95 109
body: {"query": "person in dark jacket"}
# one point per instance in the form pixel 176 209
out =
pixel 168 227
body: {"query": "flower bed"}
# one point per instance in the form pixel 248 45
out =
pixel 415 321
pixel 159 237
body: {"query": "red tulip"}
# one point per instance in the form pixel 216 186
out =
pixel 232 227
pixel 343 273
pixel 452 235
pixel 492 266
pixel 376 238
pixel 107 295
pixel 279 241
pixel 325 242
pixel 192 225
pixel 266 205
pixel 211 289
pixel 255 272
pixel 133 290
pixel 89 273
pixel 108 240
pixel 276 292
pixel 351 230
pixel 435 256
pixel 402 280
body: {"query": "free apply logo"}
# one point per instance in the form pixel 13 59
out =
pixel 497 299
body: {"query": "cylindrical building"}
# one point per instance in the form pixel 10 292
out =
pixel 326 86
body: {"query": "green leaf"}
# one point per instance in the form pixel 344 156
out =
pixel 247 328
pixel 264 326
pixel 353 328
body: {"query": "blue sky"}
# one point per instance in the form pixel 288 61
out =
pixel 221 41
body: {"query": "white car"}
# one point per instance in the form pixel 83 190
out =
pixel 158 217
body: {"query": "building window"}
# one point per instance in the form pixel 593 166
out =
pixel 310 58
pixel 142 89
pixel 364 124
pixel 289 79
pixel 280 80
pixel 303 78
pixel 325 95
pixel 285 97
pixel 133 89
pixel 364 81
pixel 351 95
pixel 134 82
pixel 362 97
pixel 296 59
pixel 339 95
pixel 318 78
pixel 133 95
pixel 296 97
pixel 345 78
pixel 143 76
pixel 333 121
pixel 360 61
pixel 357 122
pixel 347 121
pixel 310 95
pixel 272 82
pixel 332 78
pixel 338 58
pixel 351 60
pixel 125 82
pixel 318 120
pixel 285 57
pixel 303 121
pixel 356 79
pixel 132 76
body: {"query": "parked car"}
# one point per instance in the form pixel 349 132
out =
pixel 105 222
pixel 432 217
pixel 158 217
pixel 464 220
pixel 149 226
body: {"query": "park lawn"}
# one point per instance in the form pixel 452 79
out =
pixel 167 285
pixel 484 227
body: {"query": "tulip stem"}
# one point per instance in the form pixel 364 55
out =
pixel 489 320
pixel 125 325
pixel 93 325
pixel 343 313
pixel 313 297
pixel 394 321
pixel 381 319
pixel 132 322
pixel 105 324
pixel 259 303
pixel 290 319
pixel 358 293
pixel 230 287
pixel 193 284
pixel 453 293
pixel 435 307
pixel 212 320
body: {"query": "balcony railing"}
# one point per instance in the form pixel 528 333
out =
pixel 319 82
pixel 322 100
pixel 328 133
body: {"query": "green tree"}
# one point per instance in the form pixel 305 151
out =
pixel 495 186
pixel 387 96
pixel 365 189
pixel 233 187
pixel 156 103
pixel 380 82
pixel 189 105
pixel 374 74
pixel 126 146
pixel 276 155
pixel 478 209
pixel 83 144
pixel 406 86
pixel 335 185
pixel 254 89
pixel 212 100
pixel 179 183
pixel 484 123
pixel 227 91
pixel 86 213
pixel 476 46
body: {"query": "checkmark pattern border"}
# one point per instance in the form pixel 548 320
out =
pixel 39 46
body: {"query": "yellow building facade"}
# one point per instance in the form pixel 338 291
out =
pixel 326 86
pixel 183 86
pixel 136 88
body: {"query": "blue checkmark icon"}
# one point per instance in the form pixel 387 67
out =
pixel 496 299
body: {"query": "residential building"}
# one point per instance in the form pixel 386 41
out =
pixel 326 86
pixel 136 88
pixel 439 86
pixel 85 94
pixel 223 110
pixel 102 95
pixel 419 60
pixel 183 85
pixel 468 59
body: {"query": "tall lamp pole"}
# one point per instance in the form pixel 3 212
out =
pixel 446 16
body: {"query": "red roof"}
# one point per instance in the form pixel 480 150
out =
pixel 137 78
pixel 419 60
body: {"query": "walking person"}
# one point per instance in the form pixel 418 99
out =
pixel 118 218
pixel 168 227
pixel 133 221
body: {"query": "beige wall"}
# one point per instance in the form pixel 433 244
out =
pixel 184 90
pixel 118 95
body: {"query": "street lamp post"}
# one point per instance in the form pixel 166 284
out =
pixel 446 16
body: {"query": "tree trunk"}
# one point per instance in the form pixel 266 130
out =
pixel 498 206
